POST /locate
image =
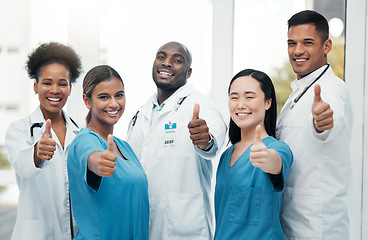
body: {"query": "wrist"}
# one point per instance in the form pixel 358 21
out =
pixel 277 161
pixel 210 143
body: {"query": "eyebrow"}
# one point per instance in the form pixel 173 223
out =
pixel 179 55
pixel 175 54
pixel 161 52
pixel 122 91
pixel 305 39
pixel 50 79
pixel 246 92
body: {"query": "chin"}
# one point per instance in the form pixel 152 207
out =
pixel 164 86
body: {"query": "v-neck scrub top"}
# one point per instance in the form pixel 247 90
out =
pixel 117 207
pixel 247 203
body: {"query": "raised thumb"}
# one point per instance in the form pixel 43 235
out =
pixel 195 112
pixel 257 136
pixel 317 93
pixel 110 142
pixel 48 128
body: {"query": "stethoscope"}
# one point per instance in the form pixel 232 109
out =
pixel 40 124
pixel 307 87
pixel 135 117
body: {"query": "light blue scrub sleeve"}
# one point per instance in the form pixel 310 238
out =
pixel 278 182
pixel 83 145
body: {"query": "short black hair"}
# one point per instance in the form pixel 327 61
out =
pixel 53 52
pixel 311 17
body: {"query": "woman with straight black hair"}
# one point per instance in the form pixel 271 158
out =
pixel 252 172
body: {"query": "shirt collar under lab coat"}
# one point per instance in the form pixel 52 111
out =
pixel 37 117
pixel 305 81
pixel 170 103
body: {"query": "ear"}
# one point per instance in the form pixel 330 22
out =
pixel 87 101
pixel 327 46
pixel 189 73
pixel 35 87
pixel 70 89
pixel 268 103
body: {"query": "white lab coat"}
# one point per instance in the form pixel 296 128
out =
pixel 178 173
pixel 43 204
pixel 315 200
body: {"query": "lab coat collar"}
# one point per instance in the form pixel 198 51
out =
pixel 37 116
pixel 170 103
pixel 305 81
pixel 71 128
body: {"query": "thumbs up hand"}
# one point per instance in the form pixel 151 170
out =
pixel 46 146
pixel 103 163
pixel 198 129
pixel 321 111
pixel 266 159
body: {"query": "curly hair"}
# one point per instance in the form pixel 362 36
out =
pixel 53 52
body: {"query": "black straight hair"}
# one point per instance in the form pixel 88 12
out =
pixel 269 92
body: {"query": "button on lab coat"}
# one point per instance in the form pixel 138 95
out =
pixel 315 200
pixel 179 173
pixel 43 204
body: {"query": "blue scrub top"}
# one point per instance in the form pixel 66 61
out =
pixel 248 200
pixel 116 207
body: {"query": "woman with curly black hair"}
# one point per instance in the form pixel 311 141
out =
pixel 38 146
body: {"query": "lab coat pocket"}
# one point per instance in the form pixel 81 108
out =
pixel 245 205
pixel 37 229
pixel 296 133
pixel 185 214
pixel 300 213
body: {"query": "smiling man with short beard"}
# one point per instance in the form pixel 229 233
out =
pixel 175 135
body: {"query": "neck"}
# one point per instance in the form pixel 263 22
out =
pixel 302 76
pixel 55 117
pixel 162 95
pixel 103 131
pixel 247 135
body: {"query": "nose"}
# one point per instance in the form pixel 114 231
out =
pixel 242 104
pixel 166 62
pixel 299 50
pixel 113 103
pixel 55 88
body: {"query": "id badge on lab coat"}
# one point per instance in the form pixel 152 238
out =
pixel 170 129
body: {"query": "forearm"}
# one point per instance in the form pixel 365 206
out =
pixel 37 161
pixel 275 162
pixel 93 162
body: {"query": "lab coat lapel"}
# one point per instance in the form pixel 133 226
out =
pixel 37 117
pixel 146 109
pixel 71 131
pixel 173 102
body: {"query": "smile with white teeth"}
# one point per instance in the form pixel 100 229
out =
pixel 300 60
pixel 243 114
pixel 165 73
pixel 54 99
pixel 112 112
